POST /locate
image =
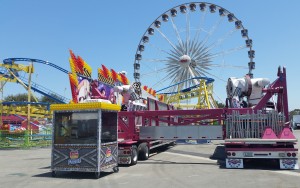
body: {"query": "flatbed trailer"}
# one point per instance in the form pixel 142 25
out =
pixel 250 133
pixel 281 150
pixel 262 133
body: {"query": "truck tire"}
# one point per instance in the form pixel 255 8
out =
pixel 172 144
pixel 116 169
pixel 53 173
pixel 134 155
pixel 97 175
pixel 143 151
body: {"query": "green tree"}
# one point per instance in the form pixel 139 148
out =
pixel 220 105
pixel 23 97
pixel 48 99
pixel 294 112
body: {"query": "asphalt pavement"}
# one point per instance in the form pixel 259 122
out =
pixel 180 166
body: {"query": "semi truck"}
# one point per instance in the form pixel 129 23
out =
pixel 123 137
pixel 250 131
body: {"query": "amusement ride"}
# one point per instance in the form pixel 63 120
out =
pixel 186 48
pixel 110 121
pixel 12 71
pixel 179 57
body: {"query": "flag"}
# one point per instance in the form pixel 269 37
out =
pixel 114 75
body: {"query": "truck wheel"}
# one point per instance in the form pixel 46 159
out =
pixel 53 173
pixel 97 175
pixel 116 169
pixel 134 155
pixel 143 151
pixel 172 144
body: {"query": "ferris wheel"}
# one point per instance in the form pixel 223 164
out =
pixel 191 40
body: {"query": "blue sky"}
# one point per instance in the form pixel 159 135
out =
pixel 108 32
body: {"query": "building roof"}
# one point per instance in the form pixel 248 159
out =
pixel 13 118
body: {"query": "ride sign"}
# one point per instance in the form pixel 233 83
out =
pixel 74 158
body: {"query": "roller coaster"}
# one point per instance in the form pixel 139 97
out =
pixel 10 72
pixel 202 92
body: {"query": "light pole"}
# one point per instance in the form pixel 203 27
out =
pixel 29 130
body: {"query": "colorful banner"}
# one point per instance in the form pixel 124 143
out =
pixel 94 89
pixel 102 91
pixel 84 87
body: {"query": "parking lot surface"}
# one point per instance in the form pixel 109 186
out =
pixel 180 166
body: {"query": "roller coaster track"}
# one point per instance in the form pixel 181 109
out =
pixel 12 60
pixel 36 87
pixel 208 81
pixel 46 92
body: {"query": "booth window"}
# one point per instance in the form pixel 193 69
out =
pixel 76 127
pixel 109 127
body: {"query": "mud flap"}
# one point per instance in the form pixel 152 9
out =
pixel 289 164
pixel 234 163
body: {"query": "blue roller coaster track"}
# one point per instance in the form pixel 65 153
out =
pixel 208 81
pixel 36 87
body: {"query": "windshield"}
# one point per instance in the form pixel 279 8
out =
pixel 76 127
